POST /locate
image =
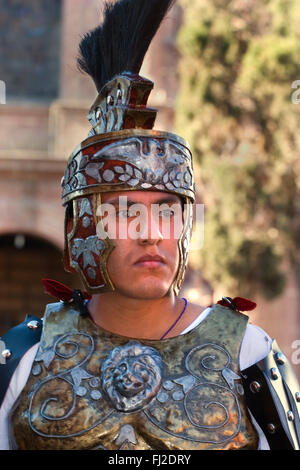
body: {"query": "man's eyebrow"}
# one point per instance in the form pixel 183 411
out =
pixel 168 199
pixel 163 200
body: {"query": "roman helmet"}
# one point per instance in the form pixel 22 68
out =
pixel 122 151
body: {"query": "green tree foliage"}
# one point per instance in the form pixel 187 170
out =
pixel 239 59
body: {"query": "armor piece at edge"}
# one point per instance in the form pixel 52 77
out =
pixel 273 397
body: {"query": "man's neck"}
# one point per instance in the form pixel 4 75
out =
pixel 140 318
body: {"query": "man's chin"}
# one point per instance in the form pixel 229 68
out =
pixel 146 291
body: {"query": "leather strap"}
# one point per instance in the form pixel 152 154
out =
pixel 18 341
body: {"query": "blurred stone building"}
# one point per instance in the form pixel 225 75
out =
pixel 43 119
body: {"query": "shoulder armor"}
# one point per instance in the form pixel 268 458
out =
pixel 13 345
pixel 273 397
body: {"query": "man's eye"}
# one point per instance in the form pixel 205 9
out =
pixel 126 214
pixel 166 213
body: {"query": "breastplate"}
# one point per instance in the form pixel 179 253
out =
pixel 91 389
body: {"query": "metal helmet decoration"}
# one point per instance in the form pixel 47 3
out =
pixel 122 151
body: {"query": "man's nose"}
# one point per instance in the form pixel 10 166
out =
pixel 150 230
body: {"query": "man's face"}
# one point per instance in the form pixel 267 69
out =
pixel 145 259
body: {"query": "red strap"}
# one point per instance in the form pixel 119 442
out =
pixel 60 291
pixel 239 303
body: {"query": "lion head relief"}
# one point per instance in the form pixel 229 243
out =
pixel 131 376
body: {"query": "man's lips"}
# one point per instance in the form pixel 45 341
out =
pixel 148 261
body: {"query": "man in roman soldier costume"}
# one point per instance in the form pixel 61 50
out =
pixel 126 363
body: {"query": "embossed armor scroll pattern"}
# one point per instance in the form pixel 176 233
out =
pixel 131 380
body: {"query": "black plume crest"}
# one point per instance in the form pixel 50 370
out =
pixel 120 43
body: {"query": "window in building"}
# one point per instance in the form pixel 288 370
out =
pixel 30 48
pixel 24 261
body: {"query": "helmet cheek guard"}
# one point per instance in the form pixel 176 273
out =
pixel 86 254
